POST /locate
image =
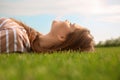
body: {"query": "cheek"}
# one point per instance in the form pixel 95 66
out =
pixel 63 30
pixel 60 29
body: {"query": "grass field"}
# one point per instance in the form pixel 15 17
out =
pixel 103 64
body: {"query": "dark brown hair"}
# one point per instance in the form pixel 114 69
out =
pixel 77 40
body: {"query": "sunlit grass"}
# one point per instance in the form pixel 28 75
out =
pixel 103 64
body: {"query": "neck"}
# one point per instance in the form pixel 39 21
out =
pixel 48 40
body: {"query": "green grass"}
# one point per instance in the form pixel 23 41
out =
pixel 103 64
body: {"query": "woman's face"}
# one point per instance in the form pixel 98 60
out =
pixel 63 28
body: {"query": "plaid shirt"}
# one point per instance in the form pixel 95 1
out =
pixel 13 37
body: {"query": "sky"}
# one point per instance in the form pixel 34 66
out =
pixel 101 17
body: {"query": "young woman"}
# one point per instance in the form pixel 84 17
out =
pixel 62 36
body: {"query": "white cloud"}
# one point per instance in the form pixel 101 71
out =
pixel 109 18
pixel 113 9
pixel 62 7
pixel 33 7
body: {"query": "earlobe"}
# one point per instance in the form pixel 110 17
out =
pixel 61 37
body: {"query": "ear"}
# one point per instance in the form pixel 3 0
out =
pixel 61 37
